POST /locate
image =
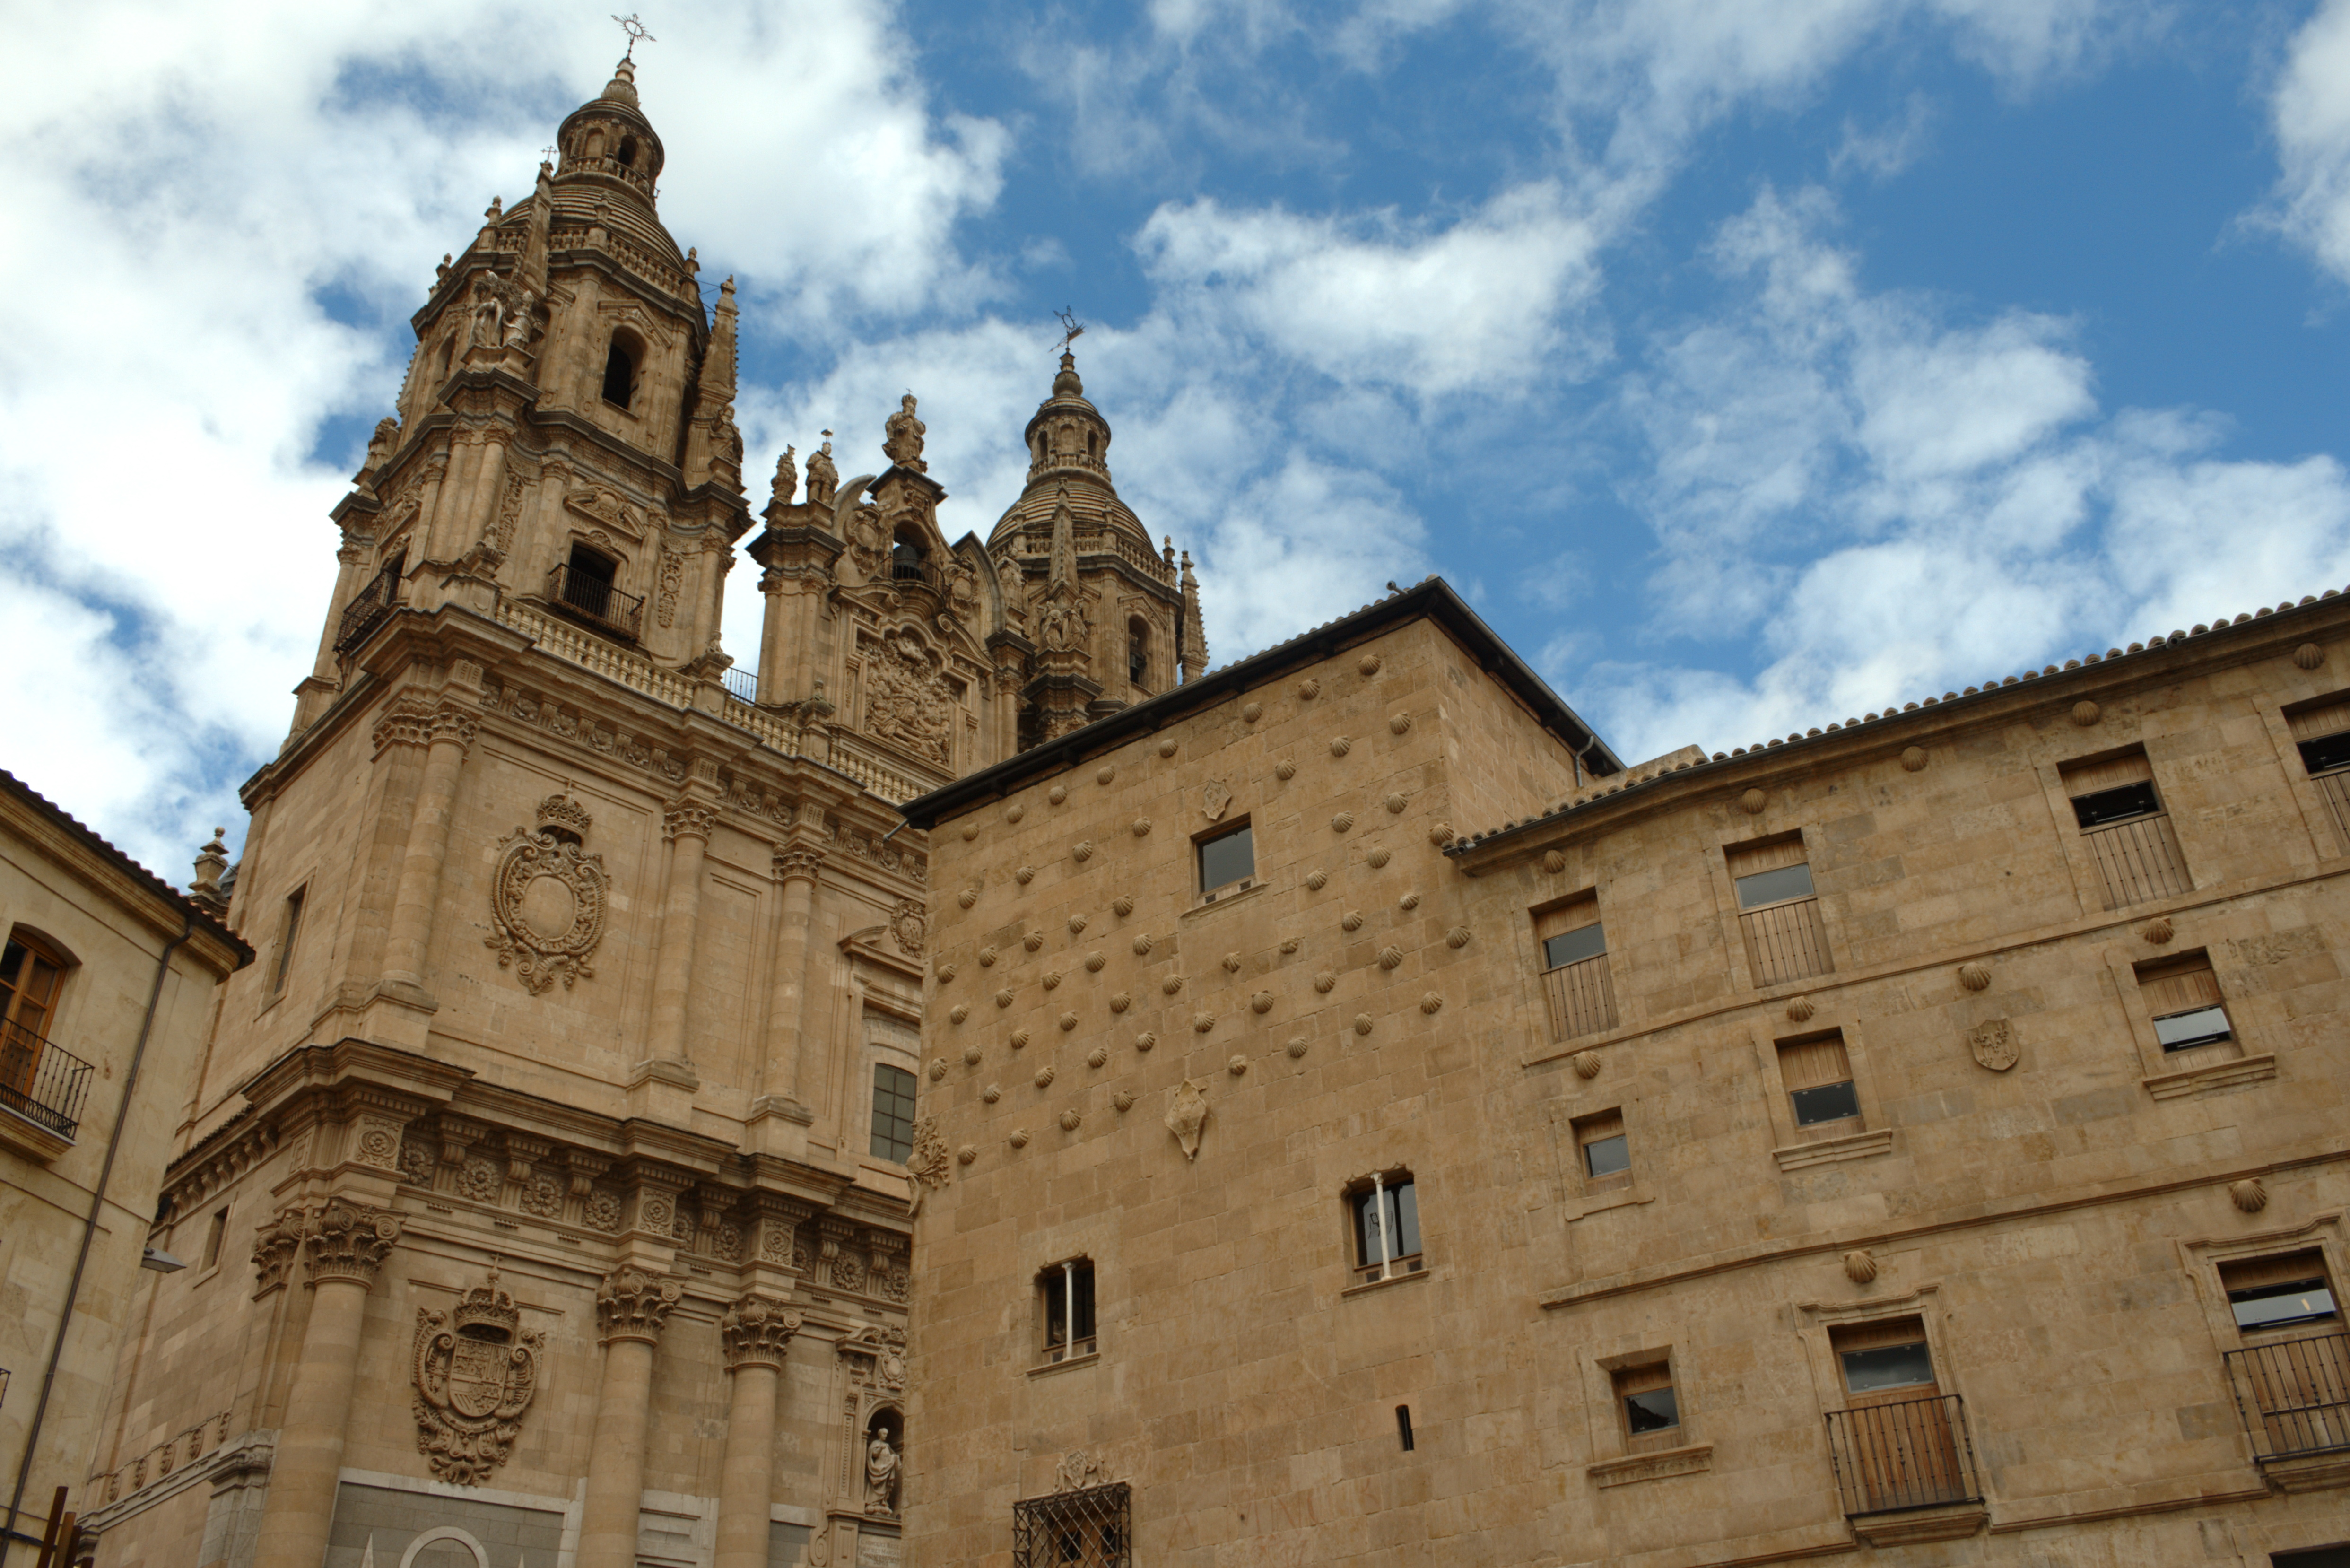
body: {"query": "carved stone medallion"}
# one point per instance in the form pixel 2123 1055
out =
pixel 474 1377
pixel 908 700
pixel 910 927
pixel 548 901
pixel 1993 1044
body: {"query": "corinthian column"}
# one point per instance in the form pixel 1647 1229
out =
pixel 631 1307
pixel 797 867
pixel 346 1244
pixel 687 826
pixel 427 849
pixel 757 1330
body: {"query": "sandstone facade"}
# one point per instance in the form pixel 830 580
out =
pixel 1864 1166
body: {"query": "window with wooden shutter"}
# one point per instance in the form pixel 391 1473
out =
pixel 1575 977
pixel 1648 1405
pixel 1778 910
pixel 2321 729
pixel 2125 827
pixel 1604 1151
pixel 1817 1073
pixel 1900 1442
pixel 2283 1292
pixel 2182 996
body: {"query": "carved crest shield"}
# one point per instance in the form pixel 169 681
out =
pixel 1993 1044
pixel 547 901
pixel 474 1380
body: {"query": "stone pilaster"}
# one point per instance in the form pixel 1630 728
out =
pixel 687 825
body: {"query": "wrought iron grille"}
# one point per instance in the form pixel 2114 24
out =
pixel 1581 997
pixel 594 598
pixel 373 605
pixel 41 1082
pixel 1911 1454
pixel 2139 859
pixel 742 683
pixel 1088 1529
pixel 2294 1394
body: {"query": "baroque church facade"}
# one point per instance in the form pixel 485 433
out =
pixel 548 1182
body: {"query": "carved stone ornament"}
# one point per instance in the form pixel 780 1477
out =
pixel 1800 1009
pixel 756 1331
pixel 1754 801
pixel 1285 770
pixel 1992 1044
pixel 1296 1046
pixel 2249 1195
pixel 927 1164
pixel 2309 656
pixel 548 899
pixel 1187 1113
pixel 910 926
pixel 1913 759
pixel 1974 976
pixel 1214 800
pixel 1553 862
pixel 349 1240
pixel 1166 747
pixel 907 700
pixel 475 1369
pixel 633 1304
pixel 1586 1064
pixel 2086 712
pixel 1076 1472
pixel 1859 1267
pixel 2157 931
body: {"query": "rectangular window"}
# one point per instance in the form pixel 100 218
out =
pixel 2279 1292
pixel 215 1237
pixel 1385 1217
pixel 1901 1441
pixel 1648 1404
pixel 1818 1075
pixel 1065 1301
pixel 893 1113
pixel 2125 829
pixel 1227 861
pixel 1606 1153
pixel 2183 996
pixel 1575 968
pixel 1091 1528
pixel 2322 731
pixel 288 928
pixel 1778 910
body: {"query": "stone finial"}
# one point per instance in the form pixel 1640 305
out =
pixel 211 861
pixel 823 477
pixel 757 1330
pixel 349 1242
pixel 632 1303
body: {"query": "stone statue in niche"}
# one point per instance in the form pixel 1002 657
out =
pixel 907 701
pixel 881 1462
pixel 1061 627
pixel 903 433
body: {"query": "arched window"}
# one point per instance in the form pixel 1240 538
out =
pixel 31 974
pixel 1137 653
pixel 628 152
pixel 907 557
pixel 448 357
pixel 621 372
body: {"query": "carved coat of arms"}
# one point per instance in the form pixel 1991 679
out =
pixel 549 898
pixel 476 1373
pixel 907 697
pixel 1993 1044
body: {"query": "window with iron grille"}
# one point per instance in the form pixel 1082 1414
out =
pixel 1088 1529
pixel 1779 910
pixel 1576 976
pixel 2127 829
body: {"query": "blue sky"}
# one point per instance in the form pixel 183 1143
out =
pixel 1750 363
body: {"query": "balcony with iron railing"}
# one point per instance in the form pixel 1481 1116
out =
pixel 586 597
pixel 1582 998
pixel 742 684
pixel 1903 1460
pixel 42 1082
pixel 2139 859
pixel 369 608
pixel 2294 1398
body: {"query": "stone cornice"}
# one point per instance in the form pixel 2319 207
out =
pixel 137 890
pixel 353 1067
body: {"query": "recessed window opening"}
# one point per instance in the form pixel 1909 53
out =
pixel 620 373
pixel 628 151
pixel 1650 1407
pixel 2279 1292
pixel 893 1113
pixel 1573 947
pixel 30 977
pixel 1779 909
pixel 215 1237
pixel 448 356
pixel 1576 976
pixel 2182 995
pixel 1818 1075
pixel 1774 887
pixel 289 928
pixel 1066 1296
pixel 1876 1369
pixel 2326 754
pixel 1137 653
pixel 1403 1425
pixel 2125 829
pixel 2116 805
pixel 1386 1217
pixel 907 557
pixel 1227 861
pixel 1607 1152
pixel 2321 729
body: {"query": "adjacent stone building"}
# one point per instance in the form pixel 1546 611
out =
pixel 106 990
pixel 1385 1129
pixel 547 1182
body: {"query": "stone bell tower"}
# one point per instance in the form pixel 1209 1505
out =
pixel 548 1179
pixel 1096 619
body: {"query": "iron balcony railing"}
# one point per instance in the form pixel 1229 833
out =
pixel 44 1083
pixel 2294 1394
pixel 1786 941
pixel 1911 1454
pixel 2139 859
pixel 1089 1529
pixel 372 607
pixel 742 683
pixel 1581 997
pixel 594 598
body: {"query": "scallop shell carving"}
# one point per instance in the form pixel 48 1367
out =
pixel 1859 1267
pixel 1144 1040
pixel 1342 822
pixel 1260 1003
pixel 1058 794
pixel 1033 942
pixel 1019 1038
pixel 1004 999
pixel 1044 1075
pixel 1237 1065
pixel 1052 980
pixel 1378 857
pixel 971 1055
pixel 1104 773
pixel 1142 944
pixel 2251 1194
pixel 967 897
pixel 1316 880
pixel 1015 812
pixel 1285 770
pixel 1076 925
pixel 969 831
pixel 937 1068
pixel 1171 984
pixel 987 958
pixel 1141 828
pixel 1019 1139
pixel 1204 1022
pixel 1297 1047
pixel 1232 963
pixel 1369 664
pixel 1352 921
pixel 1753 802
pixel 1309 689
pixel 1390 957
pixel 1252 712
pixel 967 1153
pixel 1082 851
pixel 1397 801
pixel 1025 874
pixel 1439 834
pixel 1290 944
pixel 1974 976
pixel 2157 931
pixel 1586 1064
pixel 1341 746
pixel 1069 1020
pixel 2086 712
pixel 1913 759
pixel 1121 906
pixel 958 1013
pixel 2309 656
pixel 992 1092
pixel 1166 747
pixel 1408 901
pixel 1094 962
pixel 1432 1003
pixel 1122 1100
pixel 946 973
pixel 1362 1024
pixel 1070 1121
pixel 1399 724
pixel 1800 1009
pixel 1325 982
pixel 1553 862
pixel 1096 1058
pixel 1120 1002
pixel 1458 937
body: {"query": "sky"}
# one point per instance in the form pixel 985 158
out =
pixel 1749 364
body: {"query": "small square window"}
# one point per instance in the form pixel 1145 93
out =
pixel 1818 1075
pixel 1605 1152
pixel 2279 1292
pixel 1888 1366
pixel 1650 1407
pixel 893 1113
pixel 2116 805
pixel 1064 1299
pixel 1228 861
pixel 2183 996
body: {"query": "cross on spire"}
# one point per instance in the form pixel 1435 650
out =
pixel 636 32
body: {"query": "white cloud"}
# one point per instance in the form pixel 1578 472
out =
pixel 2309 108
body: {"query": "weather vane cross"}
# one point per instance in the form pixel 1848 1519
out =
pixel 1071 329
pixel 636 32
